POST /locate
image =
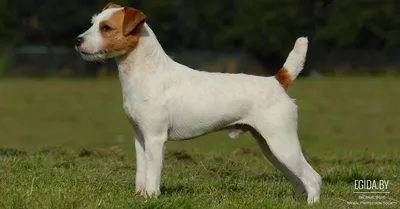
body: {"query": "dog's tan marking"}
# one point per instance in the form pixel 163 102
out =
pixel 111 5
pixel 124 30
pixel 132 19
pixel 283 77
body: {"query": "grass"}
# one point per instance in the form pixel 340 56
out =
pixel 67 144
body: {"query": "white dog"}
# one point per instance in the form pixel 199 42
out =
pixel 167 100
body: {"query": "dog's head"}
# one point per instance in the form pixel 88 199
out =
pixel 114 32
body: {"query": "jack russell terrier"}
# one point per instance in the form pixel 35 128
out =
pixel 165 100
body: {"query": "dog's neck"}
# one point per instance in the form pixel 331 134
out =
pixel 147 56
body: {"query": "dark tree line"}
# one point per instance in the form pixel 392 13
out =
pixel 264 28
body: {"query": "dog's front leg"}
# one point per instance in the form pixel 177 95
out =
pixel 140 163
pixel 154 154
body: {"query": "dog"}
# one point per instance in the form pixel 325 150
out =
pixel 165 100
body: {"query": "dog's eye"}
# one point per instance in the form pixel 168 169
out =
pixel 106 28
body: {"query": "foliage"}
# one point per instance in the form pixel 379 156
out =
pixel 361 24
pixel 265 28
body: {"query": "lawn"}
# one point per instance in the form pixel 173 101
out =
pixel 67 144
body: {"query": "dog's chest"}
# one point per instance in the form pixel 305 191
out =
pixel 134 102
pixel 142 104
pixel 135 105
pixel 131 109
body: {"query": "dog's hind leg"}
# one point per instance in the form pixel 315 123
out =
pixel 276 134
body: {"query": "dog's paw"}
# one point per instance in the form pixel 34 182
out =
pixel 152 194
pixel 140 192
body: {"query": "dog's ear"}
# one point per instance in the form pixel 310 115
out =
pixel 111 5
pixel 133 18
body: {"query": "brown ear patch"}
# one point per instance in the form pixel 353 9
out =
pixel 111 5
pixel 125 30
pixel 283 77
pixel 132 19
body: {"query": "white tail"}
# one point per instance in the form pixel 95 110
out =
pixel 294 63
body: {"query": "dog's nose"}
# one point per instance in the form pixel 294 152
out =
pixel 78 41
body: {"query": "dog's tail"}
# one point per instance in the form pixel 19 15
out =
pixel 294 63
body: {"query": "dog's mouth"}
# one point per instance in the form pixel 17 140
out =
pixel 92 53
pixel 101 55
pixel 93 56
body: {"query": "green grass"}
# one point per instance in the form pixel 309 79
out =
pixel 67 144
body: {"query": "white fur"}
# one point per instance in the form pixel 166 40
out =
pixel 295 61
pixel 92 47
pixel 167 100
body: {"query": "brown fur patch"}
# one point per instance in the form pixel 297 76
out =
pixel 283 77
pixel 117 38
pixel 132 19
pixel 111 5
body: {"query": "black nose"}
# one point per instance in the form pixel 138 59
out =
pixel 78 41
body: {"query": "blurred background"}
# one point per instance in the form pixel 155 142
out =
pixel 253 36
pixel 348 92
